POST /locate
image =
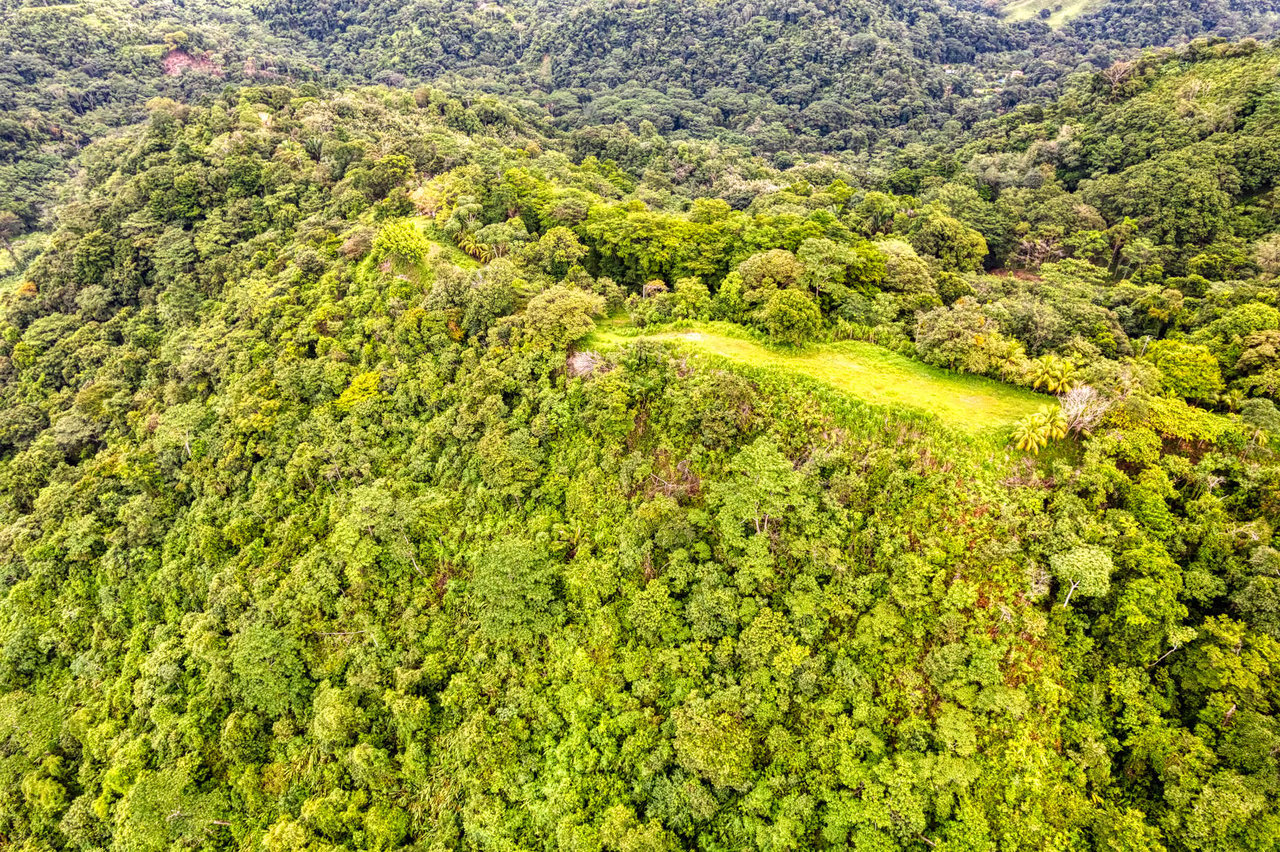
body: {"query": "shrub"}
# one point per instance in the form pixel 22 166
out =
pixel 402 241
pixel 791 317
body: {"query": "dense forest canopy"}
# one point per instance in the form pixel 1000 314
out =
pixel 776 78
pixel 465 426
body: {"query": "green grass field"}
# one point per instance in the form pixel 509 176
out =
pixel 863 370
pixel 1060 11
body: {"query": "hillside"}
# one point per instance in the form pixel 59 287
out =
pixel 778 79
pixel 74 71
pixel 314 539
pixel 393 457
pixel 861 370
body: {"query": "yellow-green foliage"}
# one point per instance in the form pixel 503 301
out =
pixel 307 544
pixel 401 240
pixel 362 389
pixel 1173 418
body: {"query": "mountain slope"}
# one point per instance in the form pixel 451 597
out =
pixel 334 516
pixel 72 72
pixel 316 535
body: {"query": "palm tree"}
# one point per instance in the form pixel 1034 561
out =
pixel 1053 373
pixel 1055 424
pixel 1033 433
pixel 1029 434
pixel 1231 399
pixel 467 241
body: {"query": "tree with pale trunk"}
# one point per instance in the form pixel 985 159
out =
pixel 1084 570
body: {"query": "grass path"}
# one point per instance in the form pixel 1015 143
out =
pixel 868 372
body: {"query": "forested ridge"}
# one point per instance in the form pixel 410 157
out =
pixel 861 77
pixel 371 477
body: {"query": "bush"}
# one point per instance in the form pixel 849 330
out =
pixel 1189 370
pixel 791 317
pixel 961 337
pixel 560 317
pixel 402 241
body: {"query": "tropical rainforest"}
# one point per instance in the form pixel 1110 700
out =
pixel 640 426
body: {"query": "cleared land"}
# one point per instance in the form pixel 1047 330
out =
pixel 1060 11
pixel 866 371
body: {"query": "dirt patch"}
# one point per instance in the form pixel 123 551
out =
pixel 1020 274
pixel 177 62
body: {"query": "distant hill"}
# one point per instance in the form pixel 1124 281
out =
pixel 782 78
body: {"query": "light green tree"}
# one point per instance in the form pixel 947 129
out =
pixel 560 317
pixel 714 744
pixel 1189 370
pixel 1086 570
pixel 401 240
pixel 790 316
pixel 512 589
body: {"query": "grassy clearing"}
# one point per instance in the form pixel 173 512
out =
pixel 441 250
pixel 450 252
pixel 863 370
pixel 1060 11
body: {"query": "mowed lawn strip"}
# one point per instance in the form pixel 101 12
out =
pixel 870 373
